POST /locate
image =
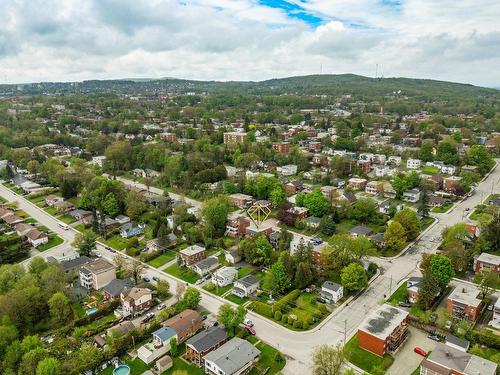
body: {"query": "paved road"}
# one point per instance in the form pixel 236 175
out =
pixel 345 320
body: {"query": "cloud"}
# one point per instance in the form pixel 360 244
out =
pixel 248 39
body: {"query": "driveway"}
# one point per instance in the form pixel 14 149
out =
pixel 406 360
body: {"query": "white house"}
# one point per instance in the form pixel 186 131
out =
pixel 235 357
pixel 37 238
pixel 394 160
pixel 412 196
pixel 381 170
pixel 205 266
pixel 224 276
pixel 448 169
pixel 413 163
pixel 158 347
pixel 332 292
pixel 245 286
pixel 287 170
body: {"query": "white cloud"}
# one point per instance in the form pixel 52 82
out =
pixel 241 39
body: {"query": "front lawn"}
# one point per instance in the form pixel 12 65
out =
pixel 426 223
pixel 443 208
pixel 270 358
pixel 400 295
pixel 54 240
pixel 162 259
pixel 244 271
pixel 218 291
pixel 51 211
pixel 116 242
pixel 67 219
pixel 182 273
pixel 364 359
pixel 430 170
pixel 235 299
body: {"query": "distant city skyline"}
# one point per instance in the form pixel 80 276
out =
pixel 67 40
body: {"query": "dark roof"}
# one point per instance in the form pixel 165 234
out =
pixel 330 285
pixel 116 286
pixel 248 280
pixel 457 341
pixel 74 263
pixel 207 262
pixel 207 339
pixel 361 230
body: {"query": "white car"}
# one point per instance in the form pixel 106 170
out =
pixel 248 323
pixel 161 306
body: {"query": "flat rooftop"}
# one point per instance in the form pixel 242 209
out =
pixel 383 321
pixel 467 295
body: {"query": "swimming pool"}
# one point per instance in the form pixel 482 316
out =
pixel 122 370
pixel 90 311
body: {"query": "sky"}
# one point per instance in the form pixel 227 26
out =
pixel 74 40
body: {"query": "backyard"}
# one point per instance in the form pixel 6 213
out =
pixel 364 359
pixel 54 240
pixel 182 273
pixel 400 295
pixel 443 208
pixel 162 259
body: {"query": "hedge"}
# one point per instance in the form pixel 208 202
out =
pixel 284 301
pixel 484 337
pixel 277 315
pixel 263 309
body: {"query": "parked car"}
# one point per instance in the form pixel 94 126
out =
pixel 148 317
pixel 161 306
pixel 250 330
pixel 321 300
pixel 156 278
pixel 199 281
pixel 420 351
pixel 215 324
pixel 146 279
pixel 434 336
pixel 490 307
pixel 248 323
pixel 404 304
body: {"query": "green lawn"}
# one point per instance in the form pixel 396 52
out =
pixel 235 299
pixel 161 259
pixel 426 222
pixel 268 360
pixel 137 367
pixel 54 240
pixel 179 364
pixel 219 291
pixel 182 273
pixel 306 307
pixel 116 242
pixel 51 211
pixel 244 271
pixel 442 209
pixel 400 295
pixel 67 219
pixel 416 371
pixel 430 170
pixel 364 359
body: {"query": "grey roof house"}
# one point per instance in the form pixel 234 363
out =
pixel 236 356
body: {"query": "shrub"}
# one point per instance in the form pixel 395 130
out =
pixel 277 315
pixel 284 318
pixel 291 320
pixel 132 251
pixel 263 309
pixel 284 301
pixel 322 308
pixel 305 325
pixel 297 324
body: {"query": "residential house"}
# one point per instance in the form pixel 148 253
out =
pixel 464 303
pixel 382 171
pixel 233 257
pixel 457 343
pixel 312 222
pixel 378 239
pixel 131 230
pixel 246 286
pixel 237 226
pixel 168 137
pixel 347 196
pixel 97 274
pixel 235 357
pixel 52 200
pixel 331 292
pixel 122 219
pixel 435 200
pixel 191 255
pixel 136 299
pixel 185 324
pixel 374 187
pixel 159 346
pixel 448 169
pixel 74 264
pixel 12 219
pixel 115 288
pixel 357 183
pixel 121 328
pixel 361 230
pixel 287 170
pixel 234 137
pixel 293 187
pixel 205 266
pixel 298 213
pixel 394 160
pixel 155 245
pixel 485 261
pixel 203 343
pixel 452 184
pixel 413 163
pixel 412 195
pixel 79 214
pixel 445 359
pixel 384 330
pixel 22 229
pixel 37 238
pixel 413 288
pixel 437 181
pixel 224 276
pixel 163 364
pixel 282 147
pixel 241 200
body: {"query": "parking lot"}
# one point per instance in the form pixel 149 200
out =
pixel 406 360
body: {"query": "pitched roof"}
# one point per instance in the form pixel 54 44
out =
pixel 330 285
pixel 233 355
pixel 207 339
pixel 116 286
pixel 183 321
pixel 164 333
pixel 248 280
pixel 207 262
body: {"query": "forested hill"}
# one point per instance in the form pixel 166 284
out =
pixel 325 84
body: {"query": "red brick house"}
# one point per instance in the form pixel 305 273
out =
pixel 241 200
pixel 282 148
pixel 237 226
pixel 192 254
pixel 384 330
pixel 185 324
pixel 203 343
pixel 463 303
pixel 487 261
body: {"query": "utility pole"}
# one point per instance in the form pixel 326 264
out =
pixel 345 331
pixel 390 287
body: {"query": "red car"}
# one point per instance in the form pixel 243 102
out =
pixel 250 330
pixel 420 351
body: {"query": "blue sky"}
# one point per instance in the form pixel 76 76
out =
pixel 71 40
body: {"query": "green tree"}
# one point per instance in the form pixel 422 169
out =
pixel 173 347
pixel 191 298
pixel 354 277
pixel 425 153
pixel 479 156
pixel 263 250
pixel 395 237
pixel 85 243
pixel 30 360
pixel 8 334
pixel 277 196
pixel 303 275
pixel 442 269
pixel 284 240
pixel 276 279
pixel 118 157
pixel 363 210
pixel 410 222
pixel 110 205
pixel 214 212
pixel 328 360
pixel 327 225
pixel 231 317
pixel 60 308
pixel 162 288
pixel 428 290
pixel 447 153
pixel 316 203
pixel 49 366
pixel 487 281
